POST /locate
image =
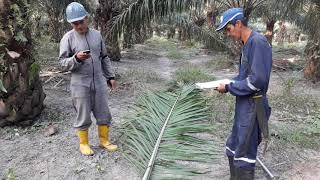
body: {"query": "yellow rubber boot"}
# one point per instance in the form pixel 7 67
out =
pixel 84 145
pixel 104 139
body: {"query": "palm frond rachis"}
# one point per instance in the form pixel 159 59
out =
pixel 173 121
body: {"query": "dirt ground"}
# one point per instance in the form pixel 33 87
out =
pixel 26 153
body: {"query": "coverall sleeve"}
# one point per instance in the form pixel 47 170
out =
pixel 106 63
pixel 258 76
pixel 67 59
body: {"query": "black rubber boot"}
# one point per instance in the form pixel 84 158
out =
pixel 244 174
pixel 232 169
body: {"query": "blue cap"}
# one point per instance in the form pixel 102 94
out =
pixel 75 12
pixel 229 15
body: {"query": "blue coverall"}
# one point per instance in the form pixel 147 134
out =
pixel 254 74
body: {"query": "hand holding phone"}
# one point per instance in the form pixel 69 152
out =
pixel 83 55
pixel 86 51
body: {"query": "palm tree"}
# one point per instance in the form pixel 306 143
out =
pixel 274 10
pixel 163 134
pixel 105 13
pixel 307 17
pixel 22 91
pixel 248 5
pixel 312 21
pixel 55 11
pixel 214 8
pixel 194 26
pixel 143 12
pixel 187 16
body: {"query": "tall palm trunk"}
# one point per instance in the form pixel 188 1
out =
pixel 312 69
pixel 270 27
pixel 212 15
pixel 18 70
pixel 105 12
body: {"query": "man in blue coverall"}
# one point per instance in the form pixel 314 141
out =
pixel 252 109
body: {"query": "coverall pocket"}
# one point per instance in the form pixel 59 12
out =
pixel 268 112
pixel 85 68
pixel 242 135
pixel 247 119
pixel 80 91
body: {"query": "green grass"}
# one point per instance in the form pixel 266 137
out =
pixel 175 50
pixel 161 43
pixel 314 128
pixel 299 46
pixel 300 138
pixel 287 104
pixel 140 75
pixel 293 107
pixel 191 74
pixel 221 62
pixel 304 135
pixel 192 44
pixel 298 117
pixel 175 54
pixel 168 45
pixel 10 175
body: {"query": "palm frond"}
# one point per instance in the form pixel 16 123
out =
pixel 247 5
pixel 162 136
pixel 312 20
pixel 286 9
pixel 142 12
pixel 204 34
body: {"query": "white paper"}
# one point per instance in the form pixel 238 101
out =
pixel 213 84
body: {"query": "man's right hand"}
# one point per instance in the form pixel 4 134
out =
pixel 82 56
pixel 221 88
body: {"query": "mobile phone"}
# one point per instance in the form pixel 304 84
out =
pixel 86 51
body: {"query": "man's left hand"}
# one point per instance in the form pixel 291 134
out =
pixel 113 84
pixel 222 88
pixel 3 111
